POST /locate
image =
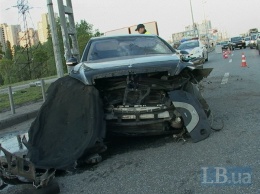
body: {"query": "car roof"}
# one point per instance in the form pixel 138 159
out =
pixel 123 35
pixel 190 41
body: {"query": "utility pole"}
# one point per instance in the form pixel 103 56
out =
pixel 65 35
pixel 55 40
pixel 72 30
pixel 193 24
pixel 206 24
pixel 195 28
pixel 68 30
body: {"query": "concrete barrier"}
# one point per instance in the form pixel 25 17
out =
pixel 9 122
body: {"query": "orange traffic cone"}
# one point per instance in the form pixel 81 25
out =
pixel 243 64
pixel 229 51
pixel 225 55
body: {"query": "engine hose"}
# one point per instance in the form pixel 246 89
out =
pixel 212 120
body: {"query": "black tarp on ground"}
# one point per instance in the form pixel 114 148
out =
pixel 69 124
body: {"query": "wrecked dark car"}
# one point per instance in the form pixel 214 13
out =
pixel 123 85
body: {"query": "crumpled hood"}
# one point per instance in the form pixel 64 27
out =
pixel 87 72
pixel 189 50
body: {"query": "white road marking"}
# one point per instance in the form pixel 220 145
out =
pixel 225 78
pixel 230 60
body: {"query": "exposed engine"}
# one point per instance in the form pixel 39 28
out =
pixel 140 100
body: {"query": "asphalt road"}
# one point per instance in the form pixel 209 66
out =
pixel 161 165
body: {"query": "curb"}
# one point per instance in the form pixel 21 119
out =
pixel 17 119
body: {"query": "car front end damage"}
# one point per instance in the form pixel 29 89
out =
pixel 17 169
pixel 141 99
pixel 142 95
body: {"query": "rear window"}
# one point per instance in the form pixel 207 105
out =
pixel 225 42
pixel 236 39
pixel 188 45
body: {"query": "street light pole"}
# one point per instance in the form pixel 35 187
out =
pixel 193 24
pixel 206 24
pixel 55 40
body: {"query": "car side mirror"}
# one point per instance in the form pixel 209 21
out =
pixel 72 61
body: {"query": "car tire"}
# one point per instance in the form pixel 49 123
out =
pixel 240 47
pixel 207 59
pixel 70 123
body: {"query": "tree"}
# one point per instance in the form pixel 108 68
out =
pixel 84 33
pixel 22 61
pixel 1 51
pixel 39 63
pixel 7 71
pixel 8 51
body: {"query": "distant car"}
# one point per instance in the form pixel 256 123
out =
pixel 195 49
pixel 252 43
pixel 226 44
pixel 247 40
pixel 238 42
pixel 258 43
pixel 35 84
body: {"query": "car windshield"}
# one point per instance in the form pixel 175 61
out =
pixel 188 45
pixel 247 38
pixel 236 39
pixel 126 46
pixel 224 42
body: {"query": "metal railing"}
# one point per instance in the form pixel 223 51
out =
pixel 11 99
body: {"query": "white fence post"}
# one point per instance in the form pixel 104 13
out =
pixel 11 100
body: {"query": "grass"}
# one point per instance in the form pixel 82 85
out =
pixel 21 97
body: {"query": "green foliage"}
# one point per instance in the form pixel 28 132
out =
pixel 7 71
pixel 39 61
pixel 84 33
pixel 1 52
pixel 22 63
pixel 8 52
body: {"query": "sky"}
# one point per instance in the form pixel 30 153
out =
pixel 233 16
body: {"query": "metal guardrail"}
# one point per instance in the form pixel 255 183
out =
pixel 11 100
